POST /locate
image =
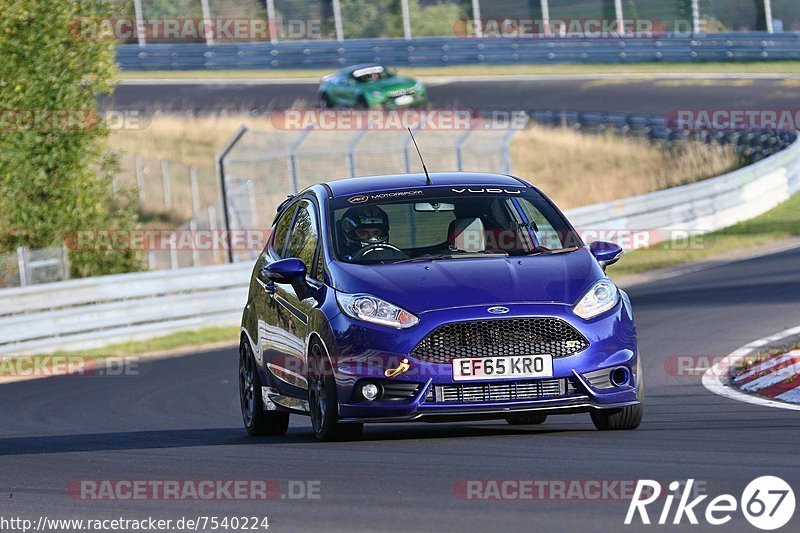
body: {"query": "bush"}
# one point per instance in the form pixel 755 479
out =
pixel 55 169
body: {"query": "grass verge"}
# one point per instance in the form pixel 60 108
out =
pixel 757 67
pixel 781 222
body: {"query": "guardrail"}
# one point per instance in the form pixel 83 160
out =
pixel 95 312
pixel 440 51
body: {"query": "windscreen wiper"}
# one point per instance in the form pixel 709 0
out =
pixel 462 255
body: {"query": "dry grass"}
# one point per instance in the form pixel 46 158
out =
pixel 578 169
pixel 575 169
pixel 184 142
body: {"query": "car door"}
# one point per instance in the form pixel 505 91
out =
pixel 295 309
pixel 271 318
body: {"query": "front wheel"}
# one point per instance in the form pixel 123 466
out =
pixel 616 419
pixel 256 420
pixel 324 404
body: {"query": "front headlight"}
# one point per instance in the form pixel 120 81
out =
pixel 371 309
pixel 600 297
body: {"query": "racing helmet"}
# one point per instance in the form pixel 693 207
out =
pixel 362 226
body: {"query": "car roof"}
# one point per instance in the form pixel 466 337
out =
pixel 353 68
pixel 374 184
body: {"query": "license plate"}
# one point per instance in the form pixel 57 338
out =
pixel 404 100
pixel 514 366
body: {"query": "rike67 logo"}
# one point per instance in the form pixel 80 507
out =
pixel 767 503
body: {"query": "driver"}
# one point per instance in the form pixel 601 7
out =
pixel 364 226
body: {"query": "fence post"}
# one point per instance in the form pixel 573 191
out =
pixel 166 184
pixel 695 17
pixel 195 251
pixel 337 20
pixel 65 261
pixel 22 265
pixel 137 163
pixel 274 28
pixel 406 20
pixel 459 144
pixel 477 23
pixel 251 203
pixel 223 195
pixel 620 20
pixel 546 17
pixel 140 30
pixel 294 181
pixel 507 150
pixel 195 190
pixel 768 15
pixel 212 228
pixel 208 25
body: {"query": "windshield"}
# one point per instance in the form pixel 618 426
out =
pixel 448 223
pixel 371 74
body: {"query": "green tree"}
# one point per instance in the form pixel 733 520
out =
pixel 55 166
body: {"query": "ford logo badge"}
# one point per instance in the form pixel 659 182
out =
pixel 499 310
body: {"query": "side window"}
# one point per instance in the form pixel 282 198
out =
pixel 282 230
pixel 303 237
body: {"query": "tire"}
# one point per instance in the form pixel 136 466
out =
pixel 325 101
pixel 618 419
pixel 361 103
pixel 257 421
pixel 323 402
pixel 529 419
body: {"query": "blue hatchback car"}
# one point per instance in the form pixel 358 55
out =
pixel 456 298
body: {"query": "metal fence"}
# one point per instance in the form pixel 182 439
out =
pixel 438 52
pixel 340 20
pixel 33 266
pixel 260 168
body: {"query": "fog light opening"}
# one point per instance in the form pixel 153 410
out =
pixel 370 391
pixel 620 377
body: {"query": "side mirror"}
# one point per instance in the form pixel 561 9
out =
pixel 287 271
pixel 606 253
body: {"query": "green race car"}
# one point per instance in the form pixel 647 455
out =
pixel 370 87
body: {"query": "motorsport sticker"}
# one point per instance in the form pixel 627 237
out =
pixel 361 198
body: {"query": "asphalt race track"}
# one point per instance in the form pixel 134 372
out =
pixel 655 96
pixel 179 419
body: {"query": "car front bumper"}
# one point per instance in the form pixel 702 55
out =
pixel 433 395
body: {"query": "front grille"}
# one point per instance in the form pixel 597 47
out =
pixel 502 337
pixel 499 391
pixel 401 92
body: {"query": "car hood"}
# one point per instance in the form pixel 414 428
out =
pixel 426 286
pixel 391 84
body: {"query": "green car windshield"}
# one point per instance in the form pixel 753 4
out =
pixel 374 73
